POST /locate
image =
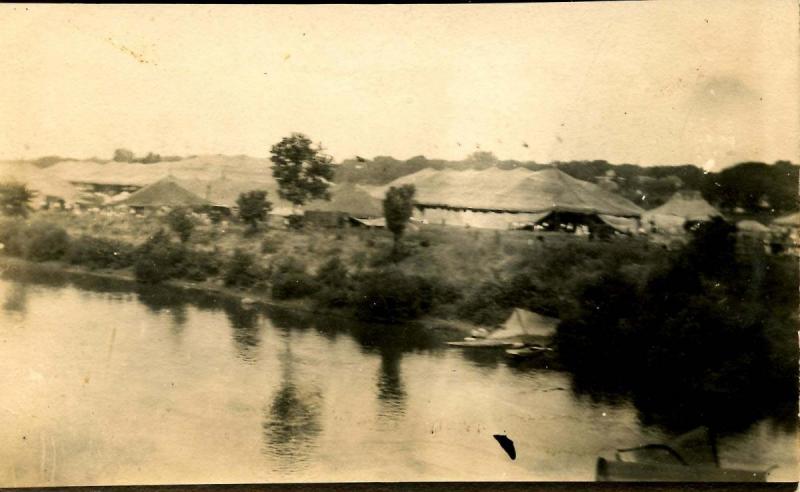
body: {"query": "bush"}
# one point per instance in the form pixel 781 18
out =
pixel 335 284
pixel 94 252
pixel 13 235
pixel 389 295
pixel 180 222
pixel 158 259
pixel 198 265
pixel 242 271
pixel 295 222
pixel 705 330
pixel 270 246
pixel 290 280
pixel 46 242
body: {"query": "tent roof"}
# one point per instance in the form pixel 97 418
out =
pixel 166 192
pixel 350 199
pixel 516 190
pixel 523 323
pixel 688 205
pixel 788 220
pixel 223 192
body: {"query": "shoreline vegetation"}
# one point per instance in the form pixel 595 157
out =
pixel 708 325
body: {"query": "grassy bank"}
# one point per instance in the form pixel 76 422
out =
pixel 466 276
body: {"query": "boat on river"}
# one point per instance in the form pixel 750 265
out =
pixel 691 457
pixel 523 328
pixel 533 351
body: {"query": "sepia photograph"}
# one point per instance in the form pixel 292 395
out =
pixel 496 243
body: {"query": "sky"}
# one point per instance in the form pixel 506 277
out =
pixel 671 82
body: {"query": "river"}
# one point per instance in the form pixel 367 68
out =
pixel 104 384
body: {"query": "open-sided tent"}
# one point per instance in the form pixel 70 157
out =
pixel 501 199
pixel 348 201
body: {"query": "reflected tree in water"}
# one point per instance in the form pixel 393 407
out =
pixel 391 393
pixel 16 298
pixel 159 299
pixel 244 331
pixel 291 422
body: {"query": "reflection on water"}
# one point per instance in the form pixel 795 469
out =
pixel 16 298
pixel 391 392
pixel 291 422
pixel 294 395
pixel 244 331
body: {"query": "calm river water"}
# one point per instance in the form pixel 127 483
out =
pixel 102 384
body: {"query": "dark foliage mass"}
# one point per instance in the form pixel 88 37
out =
pixel 253 207
pixel 243 271
pixel 302 171
pixel 708 333
pixel 389 295
pixel 290 280
pixel 159 259
pixel 15 199
pixel 181 223
pixel 93 252
pixel 397 208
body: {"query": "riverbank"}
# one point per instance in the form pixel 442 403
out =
pixel 443 328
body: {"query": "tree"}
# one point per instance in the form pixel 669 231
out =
pixel 397 208
pixel 303 172
pixel 123 155
pixel 253 207
pixel 180 222
pixel 15 199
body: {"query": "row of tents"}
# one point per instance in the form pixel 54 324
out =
pixel 490 198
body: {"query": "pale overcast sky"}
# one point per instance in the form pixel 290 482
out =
pixel 710 83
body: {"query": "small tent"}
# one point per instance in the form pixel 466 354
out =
pixel 523 324
pixel 684 206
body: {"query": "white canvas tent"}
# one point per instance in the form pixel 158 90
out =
pixel 525 324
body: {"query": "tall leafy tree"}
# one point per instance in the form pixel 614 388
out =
pixel 397 208
pixel 303 172
pixel 15 199
pixel 253 207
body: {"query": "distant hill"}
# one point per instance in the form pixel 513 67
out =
pixel 747 187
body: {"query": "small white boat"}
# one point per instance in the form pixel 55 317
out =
pixel 529 352
pixel 486 343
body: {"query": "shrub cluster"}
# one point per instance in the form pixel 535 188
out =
pixel 159 259
pixel 242 271
pixel 290 280
pixel 391 296
pixel 94 253
pixel 39 241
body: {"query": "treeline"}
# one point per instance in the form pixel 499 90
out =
pixel 751 186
